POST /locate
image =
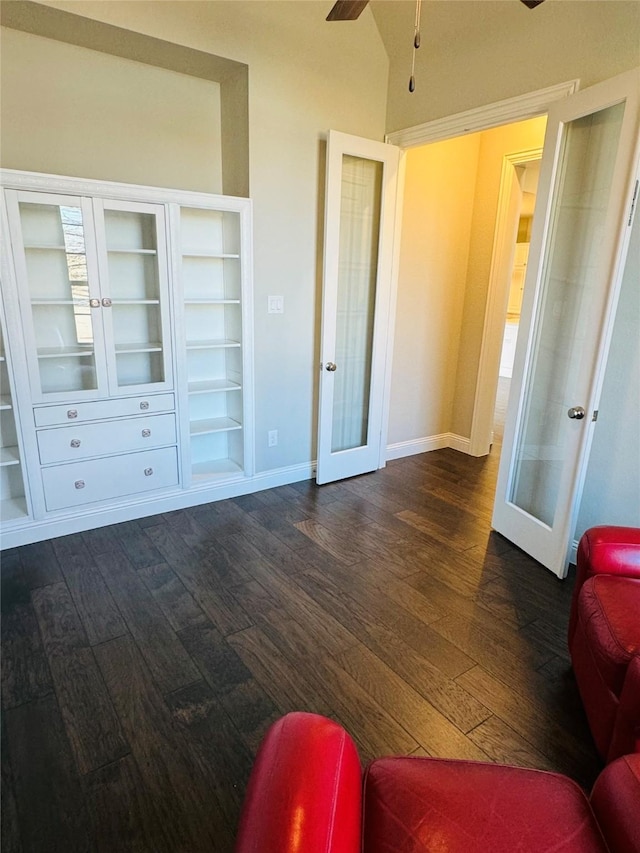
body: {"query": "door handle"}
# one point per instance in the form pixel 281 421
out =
pixel 576 413
pixel 330 366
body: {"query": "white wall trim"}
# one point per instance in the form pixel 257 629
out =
pixel 521 107
pixel 496 306
pixel 423 445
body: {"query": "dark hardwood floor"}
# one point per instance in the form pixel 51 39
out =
pixel 143 662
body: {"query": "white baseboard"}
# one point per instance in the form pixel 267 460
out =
pixel 76 521
pixel 424 445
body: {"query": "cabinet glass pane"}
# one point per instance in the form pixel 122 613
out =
pixel 134 288
pixel 357 271
pixel 56 264
pixel 571 278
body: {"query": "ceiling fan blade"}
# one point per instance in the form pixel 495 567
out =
pixel 531 4
pixel 347 10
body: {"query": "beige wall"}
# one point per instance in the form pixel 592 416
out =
pixel 437 216
pixel 494 145
pixel 72 111
pixel 449 219
pixel 475 53
pixel 305 76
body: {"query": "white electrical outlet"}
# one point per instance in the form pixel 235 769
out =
pixel 272 437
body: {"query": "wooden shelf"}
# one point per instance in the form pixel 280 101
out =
pixel 80 303
pixel 213 425
pixel 207 386
pixel 65 352
pixel 9 456
pixel 201 253
pixel 135 302
pixel 12 509
pixel 215 468
pixel 154 346
pixel 212 344
pixel 132 251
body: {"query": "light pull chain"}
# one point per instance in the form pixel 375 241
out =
pixel 416 45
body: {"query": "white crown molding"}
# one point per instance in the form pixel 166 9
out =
pixel 39 182
pixel 509 110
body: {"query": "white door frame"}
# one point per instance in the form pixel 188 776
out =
pixel 496 307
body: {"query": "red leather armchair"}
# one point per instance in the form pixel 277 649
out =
pixel 604 636
pixel 307 794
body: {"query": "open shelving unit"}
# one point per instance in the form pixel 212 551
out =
pixel 13 504
pixel 211 275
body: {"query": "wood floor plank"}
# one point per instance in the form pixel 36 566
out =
pixel 431 683
pixel 25 669
pixel 251 710
pixel 97 609
pixel 283 683
pixel 9 827
pixel 220 751
pixel 504 745
pixel 199 577
pixel 93 729
pixel 374 730
pixel 431 729
pixel 37 566
pixel 51 808
pixel 166 657
pixel 174 784
pixel 172 597
pixel 122 813
pixel 529 717
pixel 216 660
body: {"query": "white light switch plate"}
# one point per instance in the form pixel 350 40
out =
pixel 275 305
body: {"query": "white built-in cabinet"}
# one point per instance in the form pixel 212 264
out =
pixel 127 360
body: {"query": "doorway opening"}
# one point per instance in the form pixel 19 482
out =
pixel 526 174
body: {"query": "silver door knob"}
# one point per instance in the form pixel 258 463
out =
pixel 330 366
pixel 576 413
pixel 94 303
pixel 106 302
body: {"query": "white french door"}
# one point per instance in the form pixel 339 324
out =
pixel 360 230
pixel 578 249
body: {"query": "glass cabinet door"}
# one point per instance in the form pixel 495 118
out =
pixel 133 272
pixel 53 249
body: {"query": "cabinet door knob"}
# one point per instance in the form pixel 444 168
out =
pixel 148 472
pixel 106 302
pixel 94 303
pixel 146 433
pixel 79 484
pixel 72 413
pixel 144 405
pixel 75 442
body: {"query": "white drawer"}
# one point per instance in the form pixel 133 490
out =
pixel 102 409
pixel 113 477
pixel 82 441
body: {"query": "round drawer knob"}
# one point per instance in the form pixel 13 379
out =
pixel 144 405
pixel 148 472
pixel 72 413
pixel 79 484
pixel 75 442
pixel 106 302
pixel 146 433
pixel 94 303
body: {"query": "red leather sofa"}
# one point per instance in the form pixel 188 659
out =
pixel 308 794
pixel 604 637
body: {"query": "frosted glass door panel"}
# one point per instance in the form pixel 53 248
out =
pixel 55 256
pixel 568 313
pixel 357 276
